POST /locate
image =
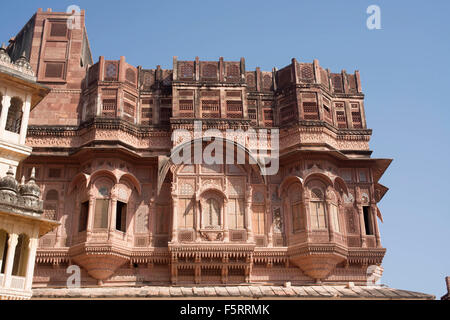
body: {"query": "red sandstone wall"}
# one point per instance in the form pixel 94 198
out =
pixel 55 56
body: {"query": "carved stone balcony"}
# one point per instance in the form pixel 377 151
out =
pixel 317 260
pixel 99 256
pixel 211 263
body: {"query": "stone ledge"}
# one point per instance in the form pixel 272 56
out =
pixel 232 292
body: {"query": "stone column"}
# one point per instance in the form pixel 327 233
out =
pixel 306 209
pixel 247 214
pixel 151 213
pixel 373 208
pixel 287 217
pixel 12 243
pixel 340 209
pixel 226 233
pixel 59 214
pixel 32 246
pixel 6 101
pixel 91 213
pixel 113 209
pixel 329 218
pixel 25 117
pixel 362 226
pixel 268 223
pixel 175 219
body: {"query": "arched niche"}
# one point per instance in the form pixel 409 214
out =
pixel 15 114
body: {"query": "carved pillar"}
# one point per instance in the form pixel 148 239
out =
pixel 25 116
pixel 247 214
pixel 373 208
pixel 226 233
pixel 268 223
pixel 307 213
pixel 150 218
pixel 32 246
pixel 90 224
pixel 287 213
pixel 12 243
pixel 328 215
pixel 174 218
pixel 340 210
pixel 6 101
pixel 113 208
pixel 361 224
pixel 359 208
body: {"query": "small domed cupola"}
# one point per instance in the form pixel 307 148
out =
pixel 23 62
pixel 31 189
pixel 4 56
pixel 8 182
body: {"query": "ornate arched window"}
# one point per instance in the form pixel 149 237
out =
pixel 296 203
pixel 14 119
pixel 317 209
pixel 21 256
pixel 211 213
pixel 101 209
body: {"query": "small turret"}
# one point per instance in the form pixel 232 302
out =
pixel 31 189
pixel 8 183
pixel 4 56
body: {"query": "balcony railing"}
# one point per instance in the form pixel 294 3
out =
pixel 17 283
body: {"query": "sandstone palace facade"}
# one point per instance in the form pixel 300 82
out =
pixel 130 216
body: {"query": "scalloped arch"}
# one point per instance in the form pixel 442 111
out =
pixel 133 180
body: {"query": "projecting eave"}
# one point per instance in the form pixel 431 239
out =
pixel 333 153
pixel 26 83
pixel 45 225
pixel 379 167
pixel 382 190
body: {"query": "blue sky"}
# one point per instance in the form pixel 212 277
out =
pixel 405 70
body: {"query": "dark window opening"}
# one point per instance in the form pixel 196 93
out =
pixel 367 221
pixel 83 216
pixel 5 251
pixel 121 215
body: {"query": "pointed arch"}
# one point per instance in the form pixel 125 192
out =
pixel 79 177
pixel 103 173
pixel 319 176
pixel 213 190
pixel 287 181
pixel 339 184
pixel 14 116
pixel 133 180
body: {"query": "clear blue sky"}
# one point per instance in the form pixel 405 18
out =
pixel 405 70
